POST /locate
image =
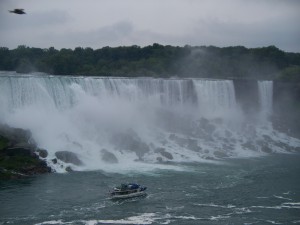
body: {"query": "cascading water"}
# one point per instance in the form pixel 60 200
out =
pixel 119 123
pixel 215 97
pixel 265 89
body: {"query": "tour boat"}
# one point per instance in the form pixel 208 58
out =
pixel 127 191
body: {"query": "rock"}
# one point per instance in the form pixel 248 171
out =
pixel 108 156
pixel 209 158
pixel 41 167
pixel 266 149
pixel 130 141
pixel 267 138
pixel 54 161
pixel 227 147
pixel 250 145
pixel 42 153
pixel 167 155
pixel 159 150
pixel 164 153
pixel 220 154
pixel 183 142
pixel 68 157
pixel 193 145
pixel 69 169
pixel 206 126
pixel 282 145
pixel 17 154
pixel 159 159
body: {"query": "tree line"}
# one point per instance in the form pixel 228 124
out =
pixel 156 61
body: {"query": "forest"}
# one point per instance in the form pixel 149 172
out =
pixel 156 60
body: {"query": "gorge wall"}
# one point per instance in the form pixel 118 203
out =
pixel 287 108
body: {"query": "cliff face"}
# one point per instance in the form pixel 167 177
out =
pixel 286 107
pixel 18 154
pixel 247 97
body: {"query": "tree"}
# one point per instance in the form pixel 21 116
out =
pixel 156 60
pixel 290 74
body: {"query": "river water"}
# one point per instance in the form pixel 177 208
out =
pixel 262 190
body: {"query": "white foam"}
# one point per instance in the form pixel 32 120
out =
pixel 229 206
pixel 286 205
pixel 219 217
pixel 292 205
pixel 52 222
pixel 272 222
pixel 145 218
pixel 280 197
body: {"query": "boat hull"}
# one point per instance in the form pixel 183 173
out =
pixel 131 195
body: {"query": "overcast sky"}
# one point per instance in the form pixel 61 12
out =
pixel 99 23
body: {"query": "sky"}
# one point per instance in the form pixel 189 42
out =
pixel 100 23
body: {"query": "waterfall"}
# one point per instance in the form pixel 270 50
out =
pixel 215 96
pixel 266 97
pixel 121 123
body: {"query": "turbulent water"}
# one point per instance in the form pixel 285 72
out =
pixel 203 158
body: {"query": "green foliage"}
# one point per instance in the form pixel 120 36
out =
pixel 3 143
pixel 155 60
pixel 13 166
pixel 18 162
pixel 290 74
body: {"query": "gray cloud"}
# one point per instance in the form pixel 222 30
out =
pixel 273 32
pixel 115 34
pixel 98 23
pixel 32 20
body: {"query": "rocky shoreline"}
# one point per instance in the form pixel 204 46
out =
pixel 19 155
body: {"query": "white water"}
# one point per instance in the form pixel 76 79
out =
pixel 142 122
